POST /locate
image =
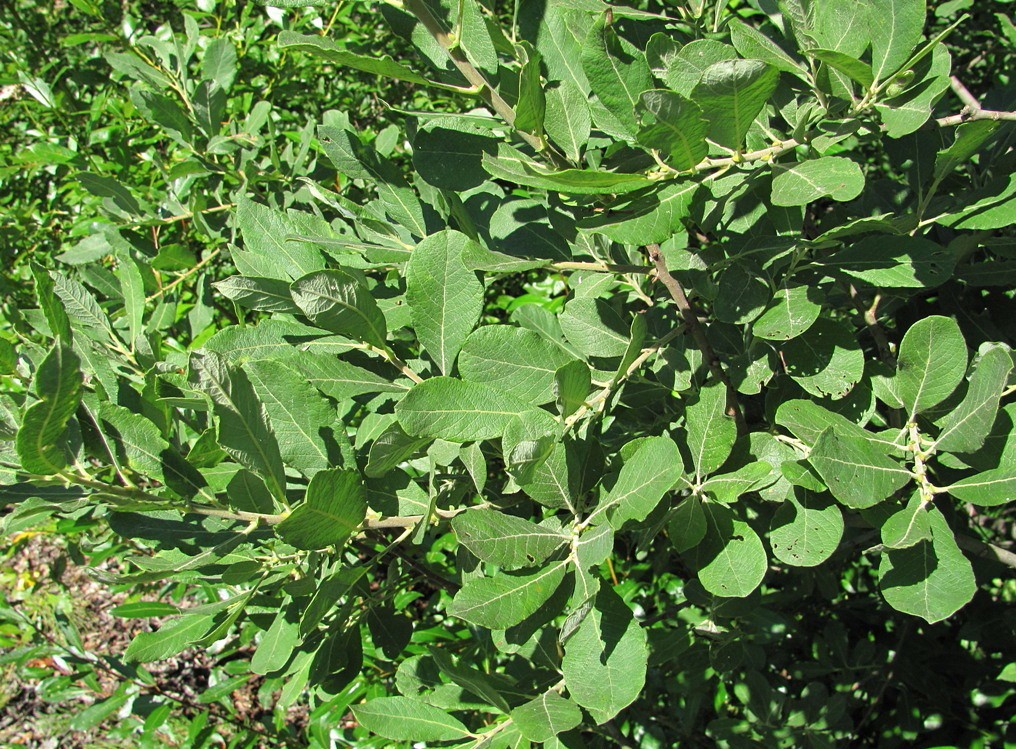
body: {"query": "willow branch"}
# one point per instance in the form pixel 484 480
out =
pixel 870 317
pixel 971 107
pixel 489 94
pixel 697 332
pixel 986 550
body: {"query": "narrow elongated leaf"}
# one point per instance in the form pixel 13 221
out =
pixel 405 719
pixel 854 469
pixel 507 541
pixel 844 63
pixel 970 137
pixel 931 579
pixel 988 489
pixel 505 600
pixel 754 45
pixel 457 411
pixel 40 440
pixel 171 638
pixel 931 363
pixel 329 51
pixel 335 505
pixel 265 294
pixel 277 644
pixel 519 361
pixel 605 658
pixel 244 430
pixel 444 296
pixel 617 73
pixel 966 426
pixel 133 288
pixel 336 301
pixel 731 93
pixel 807 181
pixel 341 379
pixel 511 165
pixel 711 433
pixel 80 304
pixel 543 718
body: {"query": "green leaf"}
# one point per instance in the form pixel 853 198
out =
pixel 139 445
pixel 807 181
pixel 457 411
pixel 594 327
pixel 163 111
pixel 511 165
pixel 266 233
pixel 895 27
pixel 297 412
pixel 519 361
pixel 52 309
pixel 133 288
pixel 754 45
pixel 728 487
pixel 81 305
pixel 572 383
pixel 907 112
pixel 336 301
pixel 988 489
pixel 907 526
pixel 676 127
pixel 444 296
pixel 806 530
pixel 711 433
pixel 931 579
pixel 544 717
pixel 731 560
pixel 244 430
pixel 604 664
pixel 692 60
pixel 645 479
pixel 505 600
pixel 335 505
pixel 531 107
pixel 687 526
pixel 791 312
pixel 970 137
pixel 894 262
pixel 219 63
pixel 931 363
pixel 857 473
pixel 277 644
pixel 329 51
pixel 617 72
pixel 264 294
pixel 41 442
pixel 505 540
pixel 405 719
pixel 648 218
pixel 827 361
pixel 850 66
pixel 732 93
pixel 341 379
pixel 392 447
pixel 171 638
pixel 966 426
pixel 452 158
pixel 567 120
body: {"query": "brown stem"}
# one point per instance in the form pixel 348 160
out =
pixel 986 550
pixel 697 332
pixel 870 317
pixel 971 107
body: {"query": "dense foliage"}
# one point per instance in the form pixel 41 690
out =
pixel 640 376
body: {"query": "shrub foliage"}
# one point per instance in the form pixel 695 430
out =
pixel 651 387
